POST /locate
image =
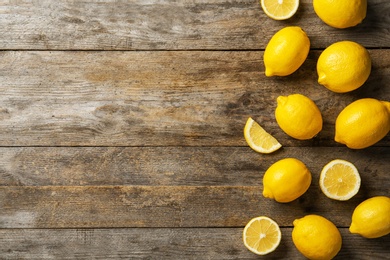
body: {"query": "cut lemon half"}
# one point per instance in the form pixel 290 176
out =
pixel 262 235
pixel 258 139
pixel 340 180
pixel 279 9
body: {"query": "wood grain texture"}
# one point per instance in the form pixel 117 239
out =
pixel 162 243
pixel 173 25
pixel 162 206
pixel 175 166
pixel 159 98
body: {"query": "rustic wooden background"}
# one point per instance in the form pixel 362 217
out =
pixel 121 128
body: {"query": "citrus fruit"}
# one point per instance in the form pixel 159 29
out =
pixel 343 66
pixel 339 180
pixel 258 139
pixel 363 123
pixel 371 218
pixel 286 51
pixel 298 116
pixel 261 235
pixel 280 9
pixel 316 237
pixel 341 14
pixel 286 180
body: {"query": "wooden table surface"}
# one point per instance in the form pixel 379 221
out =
pixel 121 128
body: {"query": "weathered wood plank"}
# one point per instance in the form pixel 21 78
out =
pixel 158 98
pixel 174 166
pixel 156 243
pixel 173 25
pixel 162 206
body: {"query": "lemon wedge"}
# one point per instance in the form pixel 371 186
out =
pixel 258 139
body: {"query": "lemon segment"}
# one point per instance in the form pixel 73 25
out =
pixel 341 14
pixel 286 180
pixel 371 218
pixel 316 237
pixel 286 51
pixel 298 116
pixel 343 66
pixel 340 180
pixel 258 139
pixel 262 235
pixel 280 9
pixel 363 123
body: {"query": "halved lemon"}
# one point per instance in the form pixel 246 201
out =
pixel 258 139
pixel 280 9
pixel 262 235
pixel 340 180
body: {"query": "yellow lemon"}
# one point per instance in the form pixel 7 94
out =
pixel 286 180
pixel 258 139
pixel 261 235
pixel 340 180
pixel 316 237
pixel 363 123
pixel 286 51
pixel 371 218
pixel 280 9
pixel 343 66
pixel 298 116
pixel 341 14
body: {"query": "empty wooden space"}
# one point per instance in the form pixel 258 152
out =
pixel 121 128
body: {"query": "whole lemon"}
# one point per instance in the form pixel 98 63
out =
pixel 371 218
pixel 343 66
pixel 286 180
pixel 286 51
pixel 341 14
pixel 316 237
pixel 298 116
pixel 363 123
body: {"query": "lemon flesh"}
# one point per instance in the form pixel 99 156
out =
pixel 371 218
pixel 280 9
pixel 261 235
pixel 286 51
pixel 316 237
pixel 340 180
pixel 341 14
pixel 363 123
pixel 298 116
pixel 286 180
pixel 343 66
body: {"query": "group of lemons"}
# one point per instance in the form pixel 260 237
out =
pixel 342 67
